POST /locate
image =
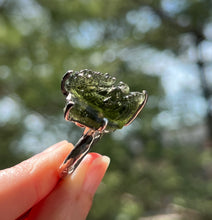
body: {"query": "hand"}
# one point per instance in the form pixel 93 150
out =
pixel 33 189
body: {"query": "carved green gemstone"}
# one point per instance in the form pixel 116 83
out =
pixel 94 97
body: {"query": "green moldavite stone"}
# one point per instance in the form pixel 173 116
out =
pixel 97 96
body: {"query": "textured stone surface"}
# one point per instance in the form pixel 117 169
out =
pixel 97 96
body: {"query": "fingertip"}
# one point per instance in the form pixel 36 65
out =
pixel 95 174
pixel 55 146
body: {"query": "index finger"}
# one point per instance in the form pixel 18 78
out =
pixel 27 183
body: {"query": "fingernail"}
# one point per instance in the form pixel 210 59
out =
pixel 95 174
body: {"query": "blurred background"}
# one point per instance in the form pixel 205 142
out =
pixel 161 165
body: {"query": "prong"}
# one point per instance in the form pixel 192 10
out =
pixel 69 105
pixel 140 108
pixel 65 77
pixel 87 131
pixel 103 127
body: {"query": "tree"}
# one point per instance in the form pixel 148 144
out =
pixel 135 41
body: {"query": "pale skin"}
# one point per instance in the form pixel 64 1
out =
pixel 33 190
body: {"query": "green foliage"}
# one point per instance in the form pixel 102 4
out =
pixel 146 186
pixel 40 40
